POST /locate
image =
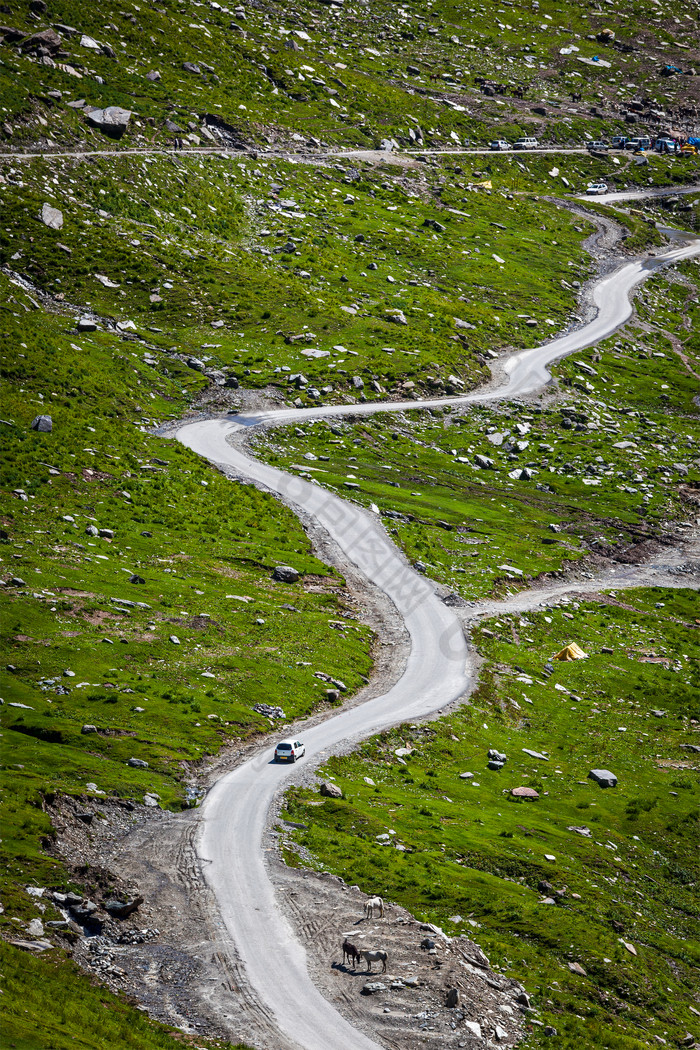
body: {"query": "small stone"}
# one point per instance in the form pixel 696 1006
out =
pixel 88 728
pixel 44 424
pixel 330 790
pixel 137 763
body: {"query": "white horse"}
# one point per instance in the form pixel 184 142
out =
pixel 372 957
pixel 374 904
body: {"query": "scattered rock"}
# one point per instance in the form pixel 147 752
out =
pixel 269 710
pixel 32 946
pixel 136 579
pixel 452 998
pixel 137 763
pixel 603 778
pixel 285 574
pixel 44 424
pixel 113 120
pixel 524 792
pixel 371 987
pixel 51 217
pixel 122 909
pixel 329 790
pixel 88 728
pixel 48 39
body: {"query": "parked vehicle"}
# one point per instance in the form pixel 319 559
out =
pixel 666 146
pixel 619 141
pixel 289 751
pixel 499 144
pixel 596 187
pixel 526 143
pixel 598 147
pixel 642 142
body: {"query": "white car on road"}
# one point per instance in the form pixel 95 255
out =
pixel 596 187
pixel 289 751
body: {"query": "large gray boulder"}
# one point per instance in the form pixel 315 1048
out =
pixel 44 424
pixel 329 790
pixel 285 574
pixel 47 40
pixel 371 987
pixel 113 120
pixel 603 778
pixel 51 217
pixel 121 909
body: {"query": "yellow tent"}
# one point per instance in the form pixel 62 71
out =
pixel 571 652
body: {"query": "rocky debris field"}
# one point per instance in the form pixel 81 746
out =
pixel 437 991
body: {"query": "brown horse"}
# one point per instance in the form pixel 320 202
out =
pixel 351 953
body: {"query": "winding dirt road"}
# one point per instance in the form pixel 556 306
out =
pixel 438 671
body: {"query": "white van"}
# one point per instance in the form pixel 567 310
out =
pixel 526 143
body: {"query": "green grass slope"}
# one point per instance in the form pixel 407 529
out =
pixel 601 879
pixel 328 72
pixel 611 463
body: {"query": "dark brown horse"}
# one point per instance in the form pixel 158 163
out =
pixel 351 953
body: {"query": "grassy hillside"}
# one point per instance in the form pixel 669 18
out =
pixel 329 73
pixel 610 463
pixel 138 600
pixel 142 623
pixel 599 880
